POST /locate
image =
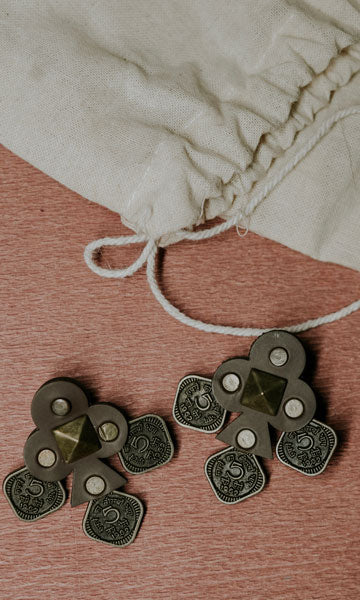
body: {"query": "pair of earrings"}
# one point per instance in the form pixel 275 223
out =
pixel 72 436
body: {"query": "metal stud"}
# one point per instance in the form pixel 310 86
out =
pixel 46 457
pixel 246 439
pixel 95 485
pixel 61 407
pixel 108 432
pixel 230 382
pixel 294 408
pixel 278 357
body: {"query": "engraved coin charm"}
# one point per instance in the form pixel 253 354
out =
pixel 72 436
pixel 148 445
pixel 195 406
pixel 114 519
pixel 30 498
pixel 309 449
pixel 234 476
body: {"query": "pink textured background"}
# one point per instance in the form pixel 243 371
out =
pixel 299 538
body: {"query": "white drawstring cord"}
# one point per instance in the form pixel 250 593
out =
pixel 148 254
pixel 237 331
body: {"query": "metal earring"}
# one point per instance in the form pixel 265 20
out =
pixel 72 436
pixel 264 389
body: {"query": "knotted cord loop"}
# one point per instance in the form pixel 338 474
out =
pixel 148 254
pixel 124 240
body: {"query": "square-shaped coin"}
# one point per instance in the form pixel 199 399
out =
pixel 31 498
pixel 148 445
pixel 234 476
pixel 114 519
pixel 195 405
pixel 309 449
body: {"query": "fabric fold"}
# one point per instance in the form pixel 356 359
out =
pixel 174 114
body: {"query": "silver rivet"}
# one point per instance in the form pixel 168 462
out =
pixel 294 408
pixel 278 357
pixel 108 432
pixel 60 407
pixel 246 439
pixel 46 457
pixel 95 485
pixel 203 402
pixel 230 382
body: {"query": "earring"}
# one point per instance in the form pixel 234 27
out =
pixel 71 436
pixel 264 389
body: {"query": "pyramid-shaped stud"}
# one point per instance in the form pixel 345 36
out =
pixel 263 392
pixel 77 439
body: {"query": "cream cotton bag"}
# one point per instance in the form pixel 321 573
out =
pixel 173 112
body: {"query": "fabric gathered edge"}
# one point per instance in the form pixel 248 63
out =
pixel 150 250
pixel 228 196
pixel 313 98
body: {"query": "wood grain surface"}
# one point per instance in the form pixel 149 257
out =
pixel 298 538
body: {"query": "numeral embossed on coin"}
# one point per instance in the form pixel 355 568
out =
pixel 148 445
pixel 31 498
pixel 234 476
pixel 113 519
pixel 308 449
pixel 195 406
